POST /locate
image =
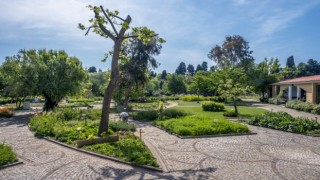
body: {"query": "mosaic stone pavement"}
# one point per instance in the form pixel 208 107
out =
pixel 268 155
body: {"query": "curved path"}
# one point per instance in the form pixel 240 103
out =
pixel 268 155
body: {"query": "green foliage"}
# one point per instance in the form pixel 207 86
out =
pixel 283 121
pixel 213 106
pixel 200 125
pixel 303 106
pixel 181 69
pixel 230 113
pixel 6 112
pixel 7 155
pixel 128 148
pixel 175 84
pixel 68 125
pixel 192 98
pixel 153 115
pixel 80 100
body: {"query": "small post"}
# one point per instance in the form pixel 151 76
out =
pixel 316 119
pixel 140 133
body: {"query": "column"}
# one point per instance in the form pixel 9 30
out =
pixel 290 92
pixel 298 93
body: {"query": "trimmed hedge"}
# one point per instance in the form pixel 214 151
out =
pixel 230 113
pixel 213 106
pixel 285 122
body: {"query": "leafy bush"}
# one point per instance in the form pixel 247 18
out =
pixel 7 156
pixel 121 126
pixel 154 115
pixel 192 98
pixel 6 112
pixel 200 125
pixel 303 106
pixel 283 121
pixel 231 113
pixel 217 99
pixel 276 100
pixel 213 106
pixel 129 148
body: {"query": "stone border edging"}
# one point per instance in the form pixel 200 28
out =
pixel 11 164
pixel 205 136
pixel 99 155
pixel 103 156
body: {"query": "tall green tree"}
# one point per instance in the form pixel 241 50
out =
pixel 108 24
pixel 164 74
pixel 199 68
pixel 92 69
pixel 190 69
pixel 181 69
pixel 232 84
pixel 234 52
pixel 176 84
pixel 290 63
pixel 99 81
pixel 204 66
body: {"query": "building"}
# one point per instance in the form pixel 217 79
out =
pixel 302 88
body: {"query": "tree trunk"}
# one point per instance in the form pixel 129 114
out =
pixel 235 106
pixel 50 104
pixel 104 122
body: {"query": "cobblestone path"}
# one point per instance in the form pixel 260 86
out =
pixel 268 155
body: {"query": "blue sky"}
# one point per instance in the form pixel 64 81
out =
pixel 191 28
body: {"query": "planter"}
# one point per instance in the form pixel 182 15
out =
pixel 81 143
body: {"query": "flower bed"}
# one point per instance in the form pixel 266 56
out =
pixel 7 156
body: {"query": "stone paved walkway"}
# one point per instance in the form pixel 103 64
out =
pixel 268 155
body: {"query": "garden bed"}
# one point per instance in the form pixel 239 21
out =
pixel 7 156
pixel 70 125
pixel 285 122
pixel 200 126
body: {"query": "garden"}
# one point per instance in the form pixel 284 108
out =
pixel 71 125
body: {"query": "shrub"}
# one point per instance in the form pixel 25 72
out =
pixel 6 112
pixel 153 115
pixel 121 126
pixel 213 106
pixel 303 106
pixel 129 148
pixel 283 121
pixel 192 98
pixel 217 99
pixel 150 115
pixel 231 113
pixel 199 125
pixel 7 156
pixel 83 100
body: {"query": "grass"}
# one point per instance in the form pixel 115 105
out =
pixel 187 103
pixel 69 125
pixel 7 156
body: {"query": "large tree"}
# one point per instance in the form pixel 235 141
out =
pixel 57 74
pixel 190 69
pixel 181 69
pixel 204 66
pixel 290 63
pixel 176 84
pixel 234 52
pixel 108 24
pixel 92 69
pixel 164 74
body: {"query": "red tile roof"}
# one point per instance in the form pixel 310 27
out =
pixel 305 79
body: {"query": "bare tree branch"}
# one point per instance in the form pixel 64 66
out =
pixel 118 17
pixel 103 28
pixel 105 14
pixel 89 29
pixel 123 30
